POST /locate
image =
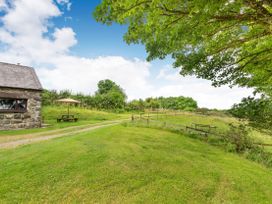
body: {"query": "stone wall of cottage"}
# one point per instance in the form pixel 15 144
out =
pixel 29 119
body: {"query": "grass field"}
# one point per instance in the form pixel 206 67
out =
pixel 127 164
pixel 130 165
pixel 221 122
pixel 50 115
pixel 187 118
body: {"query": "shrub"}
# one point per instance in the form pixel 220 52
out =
pixel 258 154
pixel 237 139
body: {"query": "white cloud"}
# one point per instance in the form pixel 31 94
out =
pixel 64 39
pixel 25 32
pixel 199 89
pixel 57 68
pixel 3 5
pixel 82 74
pixel 28 17
pixel 65 2
pixel 26 39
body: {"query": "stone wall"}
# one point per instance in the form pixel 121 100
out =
pixel 29 119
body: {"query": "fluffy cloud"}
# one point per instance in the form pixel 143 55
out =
pixel 65 2
pixel 28 17
pixel 23 31
pixel 50 52
pixel 199 89
pixel 64 39
pixel 82 74
pixel 3 5
pixel 28 37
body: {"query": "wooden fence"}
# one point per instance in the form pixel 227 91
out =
pixel 200 129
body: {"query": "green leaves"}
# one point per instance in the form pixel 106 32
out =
pixel 257 111
pixel 228 42
pixel 109 95
pixel 170 103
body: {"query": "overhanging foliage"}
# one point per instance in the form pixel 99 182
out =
pixel 226 41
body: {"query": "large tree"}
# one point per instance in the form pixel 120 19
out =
pixel 226 41
pixel 109 95
pixel 106 86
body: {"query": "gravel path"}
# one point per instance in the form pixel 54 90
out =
pixel 14 144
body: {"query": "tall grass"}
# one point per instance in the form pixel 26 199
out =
pixel 51 113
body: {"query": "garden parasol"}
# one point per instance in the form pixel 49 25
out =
pixel 68 101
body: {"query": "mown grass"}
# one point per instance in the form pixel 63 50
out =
pixel 130 165
pixel 54 132
pixel 51 113
pixel 221 122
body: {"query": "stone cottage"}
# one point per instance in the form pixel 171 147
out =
pixel 20 97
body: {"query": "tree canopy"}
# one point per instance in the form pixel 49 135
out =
pixel 167 103
pixel 110 95
pixel 106 86
pixel 225 41
pixel 257 110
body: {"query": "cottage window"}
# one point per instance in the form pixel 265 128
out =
pixel 13 105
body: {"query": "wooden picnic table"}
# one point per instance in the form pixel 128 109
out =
pixel 67 118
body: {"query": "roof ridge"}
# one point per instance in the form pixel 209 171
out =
pixel 18 64
pixel 18 76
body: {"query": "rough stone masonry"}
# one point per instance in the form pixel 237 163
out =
pixel 19 83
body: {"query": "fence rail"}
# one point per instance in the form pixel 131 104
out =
pixel 200 129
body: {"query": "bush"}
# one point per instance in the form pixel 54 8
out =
pixel 237 139
pixel 258 154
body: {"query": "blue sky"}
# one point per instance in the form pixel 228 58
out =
pixel 96 39
pixel 70 50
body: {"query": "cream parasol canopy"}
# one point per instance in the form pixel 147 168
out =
pixel 68 101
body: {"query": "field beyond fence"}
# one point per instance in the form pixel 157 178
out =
pixel 170 121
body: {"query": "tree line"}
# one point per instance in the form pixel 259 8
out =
pixel 172 103
pixel 110 96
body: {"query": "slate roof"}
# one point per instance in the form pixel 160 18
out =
pixel 17 76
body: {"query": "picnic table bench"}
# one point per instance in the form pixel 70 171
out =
pixel 67 118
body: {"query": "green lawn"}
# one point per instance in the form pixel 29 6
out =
pixel 130 165
pixel 50 114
